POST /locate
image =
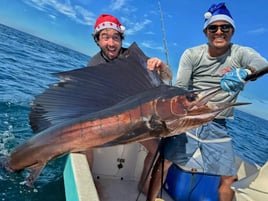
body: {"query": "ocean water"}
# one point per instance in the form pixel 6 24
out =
pixel 25 71
pixel 26 64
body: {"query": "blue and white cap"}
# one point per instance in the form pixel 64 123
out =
pixel 218 12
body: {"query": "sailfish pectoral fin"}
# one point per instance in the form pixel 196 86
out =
pixel 149 128
pixel 35 171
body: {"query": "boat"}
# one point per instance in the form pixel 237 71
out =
pixel 116 171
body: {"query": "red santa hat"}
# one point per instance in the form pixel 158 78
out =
pixel 105 21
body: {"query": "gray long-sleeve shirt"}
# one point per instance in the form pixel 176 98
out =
pixel 198 70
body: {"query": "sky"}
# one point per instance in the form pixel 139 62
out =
pixel 70 23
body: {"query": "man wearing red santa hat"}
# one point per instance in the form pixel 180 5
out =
pixel 108 35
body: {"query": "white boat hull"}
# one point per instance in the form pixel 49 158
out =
pixel 116 172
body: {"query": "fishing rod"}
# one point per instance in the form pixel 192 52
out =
pixel 170 83
pixel 163 32
pixel 164 35
pixel 257 74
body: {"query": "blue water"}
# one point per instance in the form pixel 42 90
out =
pixel 26 64
pixel 25 71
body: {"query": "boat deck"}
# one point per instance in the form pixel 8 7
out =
pixel 114 176
pixel 117 170
pixel 117 190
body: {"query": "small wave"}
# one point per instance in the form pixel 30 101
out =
pixel 14 127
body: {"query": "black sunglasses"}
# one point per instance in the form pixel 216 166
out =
pixel 225 28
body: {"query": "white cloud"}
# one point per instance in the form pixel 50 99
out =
pixel 74 12
pixel 87 17
pixel 52 16
pixel 258 31
pixel 81 15
pixel 117 4
pixel 38 4
pixel 151 45
pixel 133 27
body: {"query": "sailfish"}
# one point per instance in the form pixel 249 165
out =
pixel 108 104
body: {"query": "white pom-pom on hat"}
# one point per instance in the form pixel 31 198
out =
pixel 208 15
pixel 122 28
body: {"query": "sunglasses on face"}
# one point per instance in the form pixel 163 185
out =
pixel 225 28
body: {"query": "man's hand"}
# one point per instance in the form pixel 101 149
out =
pixel 162 69
pixel 234 80
pixel 155 63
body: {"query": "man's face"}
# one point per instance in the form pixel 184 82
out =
pixel 219 34
pixel 110 43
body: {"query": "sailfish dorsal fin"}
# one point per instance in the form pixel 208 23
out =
pixel 91 89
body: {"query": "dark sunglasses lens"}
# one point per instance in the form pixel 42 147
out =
pixel 213 28
pixel 224 28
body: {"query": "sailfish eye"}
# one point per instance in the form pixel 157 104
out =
pixel 191 97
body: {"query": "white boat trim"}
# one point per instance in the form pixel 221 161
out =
pixel 78 181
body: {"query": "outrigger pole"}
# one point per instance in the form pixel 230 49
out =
pixel 163 32
pixel 164 35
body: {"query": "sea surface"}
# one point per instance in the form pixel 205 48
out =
pixel 26 65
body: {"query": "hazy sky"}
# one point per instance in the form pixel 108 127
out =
pixel 70 23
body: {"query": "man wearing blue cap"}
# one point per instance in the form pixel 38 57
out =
pixel 218 62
